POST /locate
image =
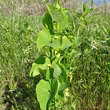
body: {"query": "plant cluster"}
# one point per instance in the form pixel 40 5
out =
pixel 57 50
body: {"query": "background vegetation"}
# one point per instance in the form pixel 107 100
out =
pixel 20 22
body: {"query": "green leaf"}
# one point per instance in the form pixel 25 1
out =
pixel 34 70
pixel 76 41
pixel 63 76
pixel 86 10
pixel 63 86
pixel 43 94
pixel 54 89
pixel 57 4
pixel 73 51
pixel 85 7
pixel 61 43
pixel 59 16
pixel 43 39
pixel 55 13
pixel 54 86
pixel 57 43
pixel 41 63
pixel 65 42
pixel 47 21
pixel 57 71
pixel 63 24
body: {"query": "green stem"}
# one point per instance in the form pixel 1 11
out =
pixel 92 3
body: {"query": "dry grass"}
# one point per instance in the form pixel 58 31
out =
pixel 28 8
pixel 101 9
pixel 37 8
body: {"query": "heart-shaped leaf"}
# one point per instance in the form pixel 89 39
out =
pixel 43 94
pixel 57 71
pixel 43 39
pixel 41 63
pixel 65 42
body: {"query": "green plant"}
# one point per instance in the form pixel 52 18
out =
pixel 57 47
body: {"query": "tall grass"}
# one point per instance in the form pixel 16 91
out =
pixel 17 51
pixel 18 33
